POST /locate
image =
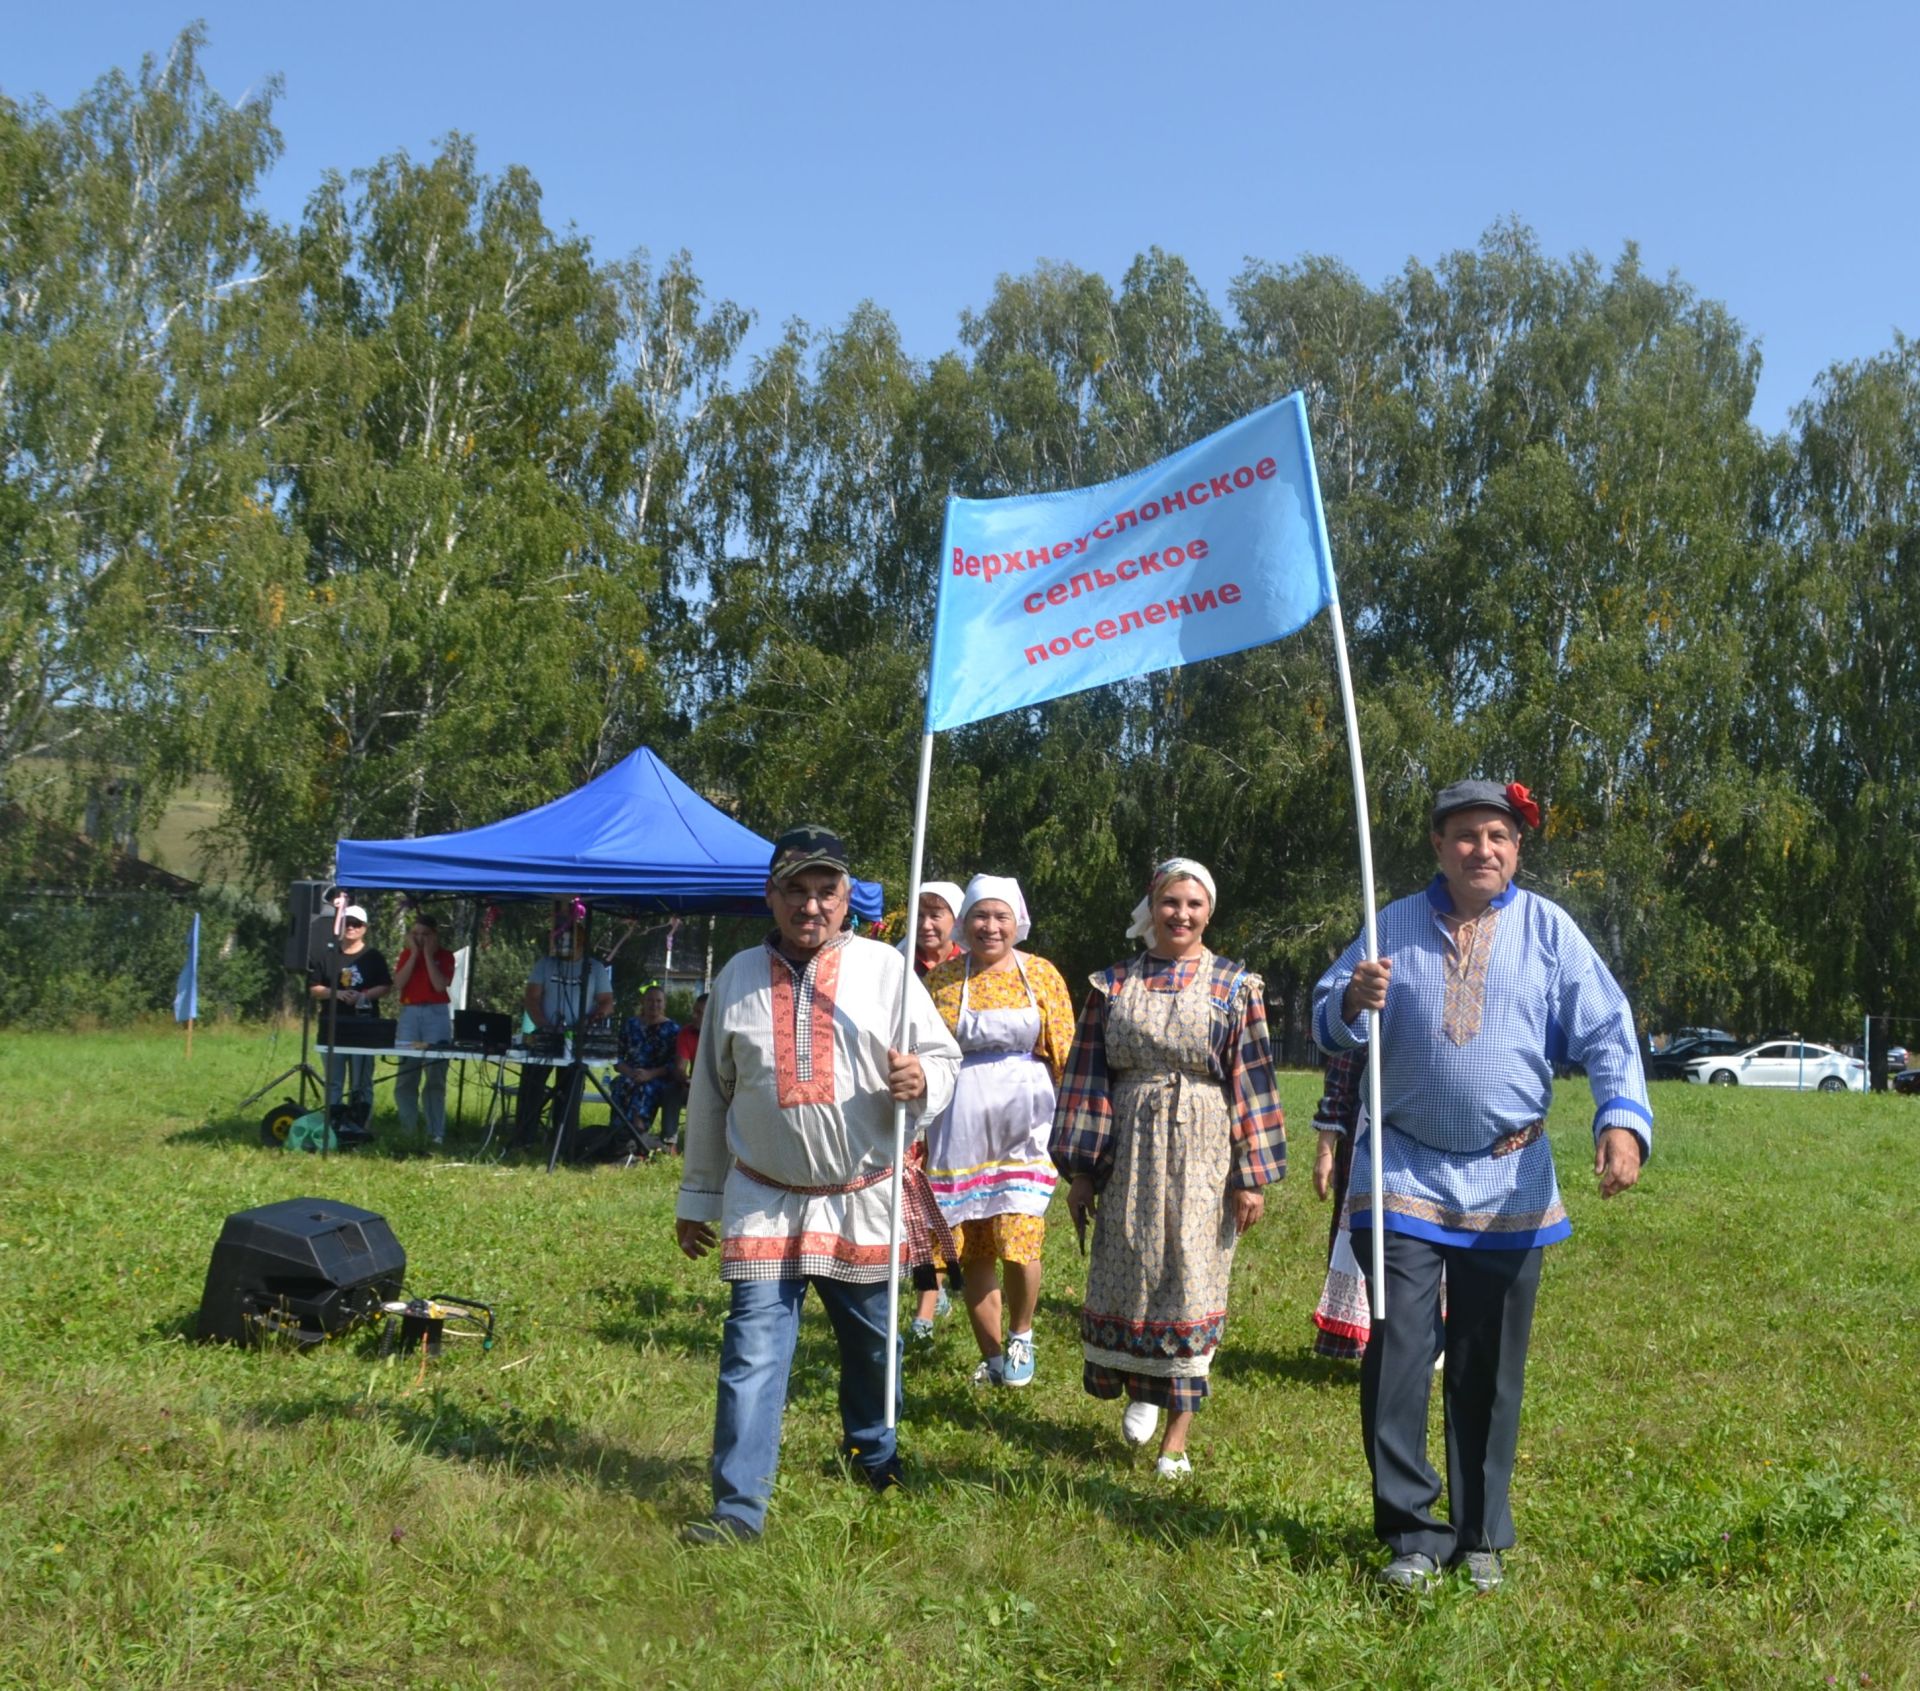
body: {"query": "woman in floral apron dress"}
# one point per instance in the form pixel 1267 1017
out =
pixel 1168 1126
pixel 987 1157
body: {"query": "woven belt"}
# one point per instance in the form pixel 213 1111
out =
pixel 926 1228
pixel 1518 1140
pixel 859 1185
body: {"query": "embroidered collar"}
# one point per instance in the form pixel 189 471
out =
pixel 799 970
pixel 1442 900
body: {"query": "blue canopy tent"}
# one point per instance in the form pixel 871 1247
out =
pixel 635 841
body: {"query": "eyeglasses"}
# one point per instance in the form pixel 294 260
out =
pixel 799 897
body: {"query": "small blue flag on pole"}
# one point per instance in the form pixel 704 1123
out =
pixel 186 989
pixel 1220 547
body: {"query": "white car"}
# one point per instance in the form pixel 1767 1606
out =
pixel 1783 1062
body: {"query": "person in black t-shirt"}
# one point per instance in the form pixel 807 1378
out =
pixel 356 976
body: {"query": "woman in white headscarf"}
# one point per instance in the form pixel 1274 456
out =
pixel 987 1157
pixel 929 939
pixel 1168 1128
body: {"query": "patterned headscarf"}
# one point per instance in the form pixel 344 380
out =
pixel 1007 890
pixel 1174 869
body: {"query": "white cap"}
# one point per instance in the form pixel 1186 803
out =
pixel 354 913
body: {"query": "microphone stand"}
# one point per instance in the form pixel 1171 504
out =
pixel 327 1129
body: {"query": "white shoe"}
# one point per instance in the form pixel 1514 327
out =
pixel 1173 1467
pixel 1440 1363
pixel 1140 1422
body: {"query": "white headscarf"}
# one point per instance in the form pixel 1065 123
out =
pixel 1007 890
pixel 949 894
pixel 1174 869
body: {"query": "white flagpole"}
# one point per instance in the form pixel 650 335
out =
pixel 901 1034
pixel 1377 1277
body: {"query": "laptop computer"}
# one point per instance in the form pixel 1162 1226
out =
pixel 488 1030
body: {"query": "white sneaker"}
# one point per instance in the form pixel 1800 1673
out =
pixel 1140 1422
pixel 1173 1467
pixel 1440 1363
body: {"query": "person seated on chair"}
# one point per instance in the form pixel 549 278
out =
pixel 648 1082
pixel 355 977
pixel 552 1001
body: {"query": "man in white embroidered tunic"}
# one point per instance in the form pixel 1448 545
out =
pixel 1481 988
pixel 789 1148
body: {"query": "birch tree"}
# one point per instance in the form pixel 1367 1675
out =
pixel 132 257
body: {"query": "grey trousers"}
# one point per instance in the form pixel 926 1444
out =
pixel 1490 1297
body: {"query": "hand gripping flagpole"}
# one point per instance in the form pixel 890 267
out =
pixel 902 1033
pixel 1377 1275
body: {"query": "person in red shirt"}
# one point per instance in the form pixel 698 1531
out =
pixel 421 977
pixel 688 1042
pixel 685 1044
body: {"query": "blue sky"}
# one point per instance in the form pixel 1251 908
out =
pixel 811 156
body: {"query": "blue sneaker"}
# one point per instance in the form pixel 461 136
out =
pixel 1017 1370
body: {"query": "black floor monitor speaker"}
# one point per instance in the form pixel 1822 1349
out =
pixel 306 905
pixel 306 1267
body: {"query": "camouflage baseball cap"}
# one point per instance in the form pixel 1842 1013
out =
pixel 808 847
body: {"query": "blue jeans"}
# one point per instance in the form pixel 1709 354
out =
pixel 756 1358
pixel 355 1072
pixel 422 1024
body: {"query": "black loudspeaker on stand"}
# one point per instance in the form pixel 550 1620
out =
pixel 305 1267
pixel 309 933
pixel 307 919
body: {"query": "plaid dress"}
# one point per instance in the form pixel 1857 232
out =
pixel 1168 1105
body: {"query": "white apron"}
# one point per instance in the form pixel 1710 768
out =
pixel 987 1155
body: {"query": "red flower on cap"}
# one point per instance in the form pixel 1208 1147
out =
pixel 1523 804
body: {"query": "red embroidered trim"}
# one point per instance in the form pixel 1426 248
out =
pixel 791 1247
pixel 786 1057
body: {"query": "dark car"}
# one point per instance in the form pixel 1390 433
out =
pixel 1671 1064
pixel 1907 1081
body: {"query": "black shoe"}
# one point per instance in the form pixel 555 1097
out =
pixel 717 1529
pixel 883 1478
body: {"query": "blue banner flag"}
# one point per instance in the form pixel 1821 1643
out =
pixel 186 989
pixel 1220 547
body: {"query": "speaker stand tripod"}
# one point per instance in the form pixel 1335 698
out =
pixel 309 1075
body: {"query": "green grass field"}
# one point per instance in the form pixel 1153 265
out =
pixel 1717 1484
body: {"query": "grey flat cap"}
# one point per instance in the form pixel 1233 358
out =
pixel 1510 797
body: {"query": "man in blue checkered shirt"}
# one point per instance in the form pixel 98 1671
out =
pixel 1480 987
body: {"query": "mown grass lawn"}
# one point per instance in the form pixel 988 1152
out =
pixel 1717 1486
